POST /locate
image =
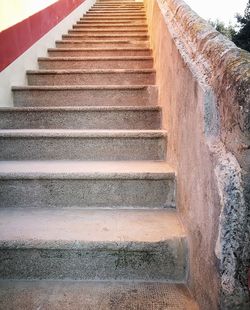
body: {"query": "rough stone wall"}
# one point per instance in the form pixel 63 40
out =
pixel 204 91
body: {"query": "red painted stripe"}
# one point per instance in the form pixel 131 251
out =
pixel 15 40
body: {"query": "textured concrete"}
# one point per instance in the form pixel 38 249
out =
pixel 69 295
pixel 132 62
pixel 81 118
pixel 100 44
pixel 48 144
pixel 103 37
pixel 86 184
pixel 76 244
pixel 31 96
pixel 92 77
pixel 90 32
pixel 208 126
pixel 98 52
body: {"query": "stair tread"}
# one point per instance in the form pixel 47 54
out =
pixel 88 71
pixel 87 169
pixel 89 133
pixel 82 87
pixel 81 108
pixel 65 295
pixel 98 58
pixel 60 227
pixel 62 49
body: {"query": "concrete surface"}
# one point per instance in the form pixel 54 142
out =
pixel 92 77
pixel 98 52
pixel 31 96
pixel 91 244
pixel 81 117
pixel 203 88
pixel 129 62
pixel 87 184
pixel 68 295
pixel 63 144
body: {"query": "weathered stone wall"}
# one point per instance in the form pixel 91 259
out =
pixel 204 91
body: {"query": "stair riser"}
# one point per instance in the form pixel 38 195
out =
pixel 92 79
pixel 162 261
pixel 83 32
pixel 111 27
pixel 111 19
pixel 117 10
pixel 77 148
pixel 81 120
pixel 127 22
pixel 99 53
pixel 113 15
pixel 87 193
pixel 105 37
pixel 100 44
pixel 91 97
pixel 96 64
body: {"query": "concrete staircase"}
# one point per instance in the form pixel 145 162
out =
pixel 87 199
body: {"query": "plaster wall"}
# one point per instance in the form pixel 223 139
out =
pixel 15 73
pixel 204 91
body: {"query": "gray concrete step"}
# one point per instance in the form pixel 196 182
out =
pixel 81 118
pixel 118 62
pixel 126 22
pixel 91 77
pixel 92 295
pixel 92 244
pixel 104 44
pixel 115 13
pixel 112 27
pixel 33 96
pixel 114 31
pixel 59 144
pixel 103 37
pixel 98 52
pixel 69 184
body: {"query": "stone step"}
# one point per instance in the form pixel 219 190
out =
pixel 103 37
pixel 92 245
pixel 126 22
pixel 63 144
pixel 77 184
pixel 111 27
pixel 117 15
pixel 102 44
pixel 89 95
pixel 81 118
pixel 119 62
pixel 113 18
pixel 116 10
pixel 98 52
pixel 91 77
pixel 108 32
pixel 92 295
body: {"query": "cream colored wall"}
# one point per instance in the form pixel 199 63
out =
pixel 14 11
pixel 15 73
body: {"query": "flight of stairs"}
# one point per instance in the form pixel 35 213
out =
pixel 86 197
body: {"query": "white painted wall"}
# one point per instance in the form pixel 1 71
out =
pixel 15 73
pixel 14 11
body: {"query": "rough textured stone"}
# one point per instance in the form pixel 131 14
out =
pixel 53 144
pixel 81 118
pixel 214 106
pixel 68 295
pixel 42 96
pixel 92 77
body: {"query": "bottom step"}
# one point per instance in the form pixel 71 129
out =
pixel 65 295
pixel 92 245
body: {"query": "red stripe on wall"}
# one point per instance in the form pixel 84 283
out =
pixel 15 40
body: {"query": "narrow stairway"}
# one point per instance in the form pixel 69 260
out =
pixel 87 200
